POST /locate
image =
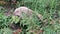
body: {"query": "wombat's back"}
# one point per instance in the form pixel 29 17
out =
pixel 19 12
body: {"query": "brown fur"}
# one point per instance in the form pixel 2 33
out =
pixel 27 11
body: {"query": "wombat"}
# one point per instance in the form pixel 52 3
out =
pixel 28 12
pixel 22 12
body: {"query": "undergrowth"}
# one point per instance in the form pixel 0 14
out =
pixel 49 9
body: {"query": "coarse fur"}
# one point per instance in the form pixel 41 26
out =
pixel 19 12
pixel 27 11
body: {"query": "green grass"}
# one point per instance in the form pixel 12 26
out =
pixel 49 9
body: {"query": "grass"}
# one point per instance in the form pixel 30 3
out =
pixel 49 9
